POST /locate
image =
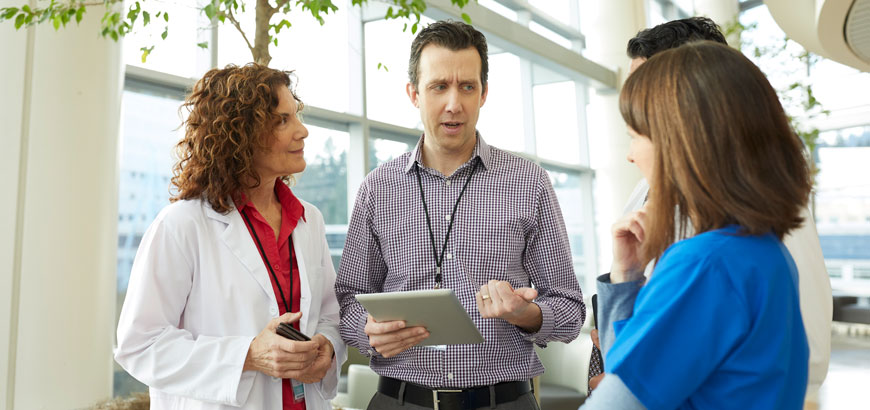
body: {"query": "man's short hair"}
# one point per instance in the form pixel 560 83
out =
pixel 453 35
pixel 673 34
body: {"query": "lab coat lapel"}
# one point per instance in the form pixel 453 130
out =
pixel 299 237
pixel 238 240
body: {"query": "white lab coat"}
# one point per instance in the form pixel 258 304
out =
pixel 198 295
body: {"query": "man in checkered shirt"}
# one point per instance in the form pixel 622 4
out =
pixel 463 215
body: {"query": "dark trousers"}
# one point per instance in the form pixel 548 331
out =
pixel 383 402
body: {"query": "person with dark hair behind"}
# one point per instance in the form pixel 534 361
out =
pixel 457 213
pixel 718 323
pixel 803 242
pixel 673 34
pixel 236 262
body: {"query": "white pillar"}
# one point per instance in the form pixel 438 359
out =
pixel 608 25
pixel 723 12
pixel 60 110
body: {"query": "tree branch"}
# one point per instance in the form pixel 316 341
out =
pixel 264 14
pixel 238 27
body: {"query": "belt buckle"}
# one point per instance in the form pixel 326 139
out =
pixel 435 396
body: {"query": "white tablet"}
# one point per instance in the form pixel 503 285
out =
pixel 438 310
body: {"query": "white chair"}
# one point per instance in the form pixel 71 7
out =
pixel 362 383
pixel 565 380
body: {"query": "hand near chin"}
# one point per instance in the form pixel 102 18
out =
pixel 628 236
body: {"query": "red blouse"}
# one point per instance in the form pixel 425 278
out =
pixel 279 251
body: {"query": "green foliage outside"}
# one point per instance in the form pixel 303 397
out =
pixel 270 17
pixel 325 183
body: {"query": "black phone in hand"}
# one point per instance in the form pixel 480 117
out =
pixel 595 309
pixel 287 330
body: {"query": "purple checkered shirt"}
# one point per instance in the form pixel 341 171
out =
pixel 508 227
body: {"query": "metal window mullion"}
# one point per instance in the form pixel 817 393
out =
pixel 590 242
pixel 527 82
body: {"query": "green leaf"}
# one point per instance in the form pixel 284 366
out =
pixel 466 18
pixel 133 12
pixel 25 8
pixel 204 44
pixel 114 35
pixel 282 24
pixel 146 18
pixel 145 52
pixel 275 41
pixel 8 13
pixel 209 11
pixel 79 14
pixel 165 32
pixel 166 16
pixel 414 29
pixel 55 21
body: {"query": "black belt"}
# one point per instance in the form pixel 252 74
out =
pixel 471 398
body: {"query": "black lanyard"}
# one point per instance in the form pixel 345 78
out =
pixel 269 265
pixel 440 259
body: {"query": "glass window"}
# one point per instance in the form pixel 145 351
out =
pixel 498 8
pixel 656 13
pixel 550 35
pixel 841 204
pixel 687 6
pixel 318 54
pixel 387 49
pixel 324 181
pixel 383 150
pixel 570 197
pixel 842 207
pixel 556 129
pixel 558 9
pixel 178 54
pixel 149 134
pixel 501 117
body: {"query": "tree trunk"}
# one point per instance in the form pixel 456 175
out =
pixel 261 32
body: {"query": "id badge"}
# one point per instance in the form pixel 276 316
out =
pixel 298 390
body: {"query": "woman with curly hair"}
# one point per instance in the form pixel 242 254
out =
pixel 233 274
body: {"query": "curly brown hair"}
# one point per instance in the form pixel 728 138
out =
pixel 231 117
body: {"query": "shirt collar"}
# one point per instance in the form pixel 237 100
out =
pixel 481 149
pixel 289 202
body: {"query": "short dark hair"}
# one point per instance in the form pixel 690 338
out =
pixel 453 35
pixel 673 34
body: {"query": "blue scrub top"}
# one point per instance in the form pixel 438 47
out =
pixel 718 325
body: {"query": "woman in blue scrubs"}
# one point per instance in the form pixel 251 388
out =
pixel 718 324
